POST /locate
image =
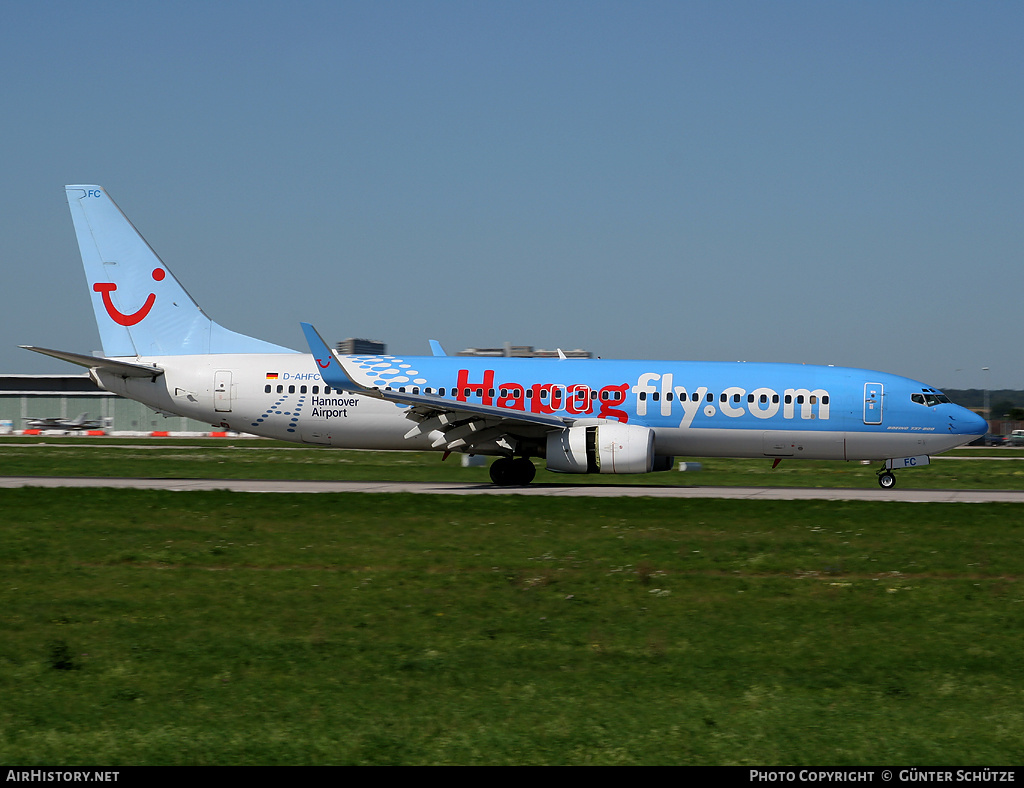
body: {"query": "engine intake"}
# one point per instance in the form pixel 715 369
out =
pixel 609 447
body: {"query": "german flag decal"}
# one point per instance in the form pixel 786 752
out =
pixel 271 376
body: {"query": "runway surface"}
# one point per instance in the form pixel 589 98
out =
pixel 558 490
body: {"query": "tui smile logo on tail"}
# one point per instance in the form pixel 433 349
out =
pixel 120 317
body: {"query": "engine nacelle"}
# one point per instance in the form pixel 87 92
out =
pixel 609 447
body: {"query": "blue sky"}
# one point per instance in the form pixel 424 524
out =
pixel 819 182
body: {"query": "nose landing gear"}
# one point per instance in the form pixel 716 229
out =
pixel 886 479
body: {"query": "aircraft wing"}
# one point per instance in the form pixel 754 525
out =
pixel 461 425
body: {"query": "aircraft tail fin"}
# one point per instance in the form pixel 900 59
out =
pixel 141 309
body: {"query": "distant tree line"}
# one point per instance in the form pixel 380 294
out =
pixel 1003 402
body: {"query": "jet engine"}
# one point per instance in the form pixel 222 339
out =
pixel 609 447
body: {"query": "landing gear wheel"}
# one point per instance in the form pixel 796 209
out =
pixel 501 471
pixel 524 471
pixel 508 472
pixel 886 480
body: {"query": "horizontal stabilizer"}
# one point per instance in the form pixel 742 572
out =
pixel 122 368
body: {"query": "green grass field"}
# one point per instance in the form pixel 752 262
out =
pixel 144 627
pixel 258 459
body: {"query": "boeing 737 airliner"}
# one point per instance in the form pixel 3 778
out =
pixel 580 416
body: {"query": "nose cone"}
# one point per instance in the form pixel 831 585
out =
pixel 970 423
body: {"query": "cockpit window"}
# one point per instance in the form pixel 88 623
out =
pixel 930 398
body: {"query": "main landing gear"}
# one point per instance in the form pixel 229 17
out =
pixel 512 472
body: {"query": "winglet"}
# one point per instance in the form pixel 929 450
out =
pixel 331 370
pixel 435 348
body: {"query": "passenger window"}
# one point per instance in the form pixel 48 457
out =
pixel 266 389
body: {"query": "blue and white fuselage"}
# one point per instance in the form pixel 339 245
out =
pixel 604 416
pixel 713 409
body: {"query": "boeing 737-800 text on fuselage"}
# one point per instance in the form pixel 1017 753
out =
pixel 580 416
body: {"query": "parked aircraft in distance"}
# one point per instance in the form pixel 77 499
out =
pixel 80 422
pixel 580 416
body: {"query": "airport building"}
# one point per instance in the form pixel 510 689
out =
pixel 508 350
pixel 361 347
pixel 24 397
